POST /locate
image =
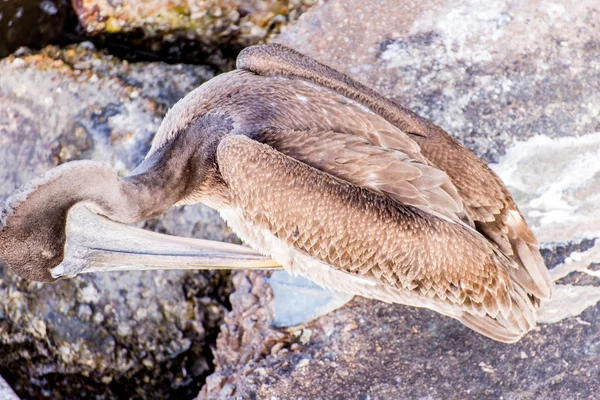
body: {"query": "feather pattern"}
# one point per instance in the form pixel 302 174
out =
pixel 487 202
pixel 395 203
pixel 357 160
pixel 374 237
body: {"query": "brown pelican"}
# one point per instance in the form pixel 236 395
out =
pixel 329 178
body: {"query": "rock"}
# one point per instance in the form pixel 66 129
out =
pixel 61 105
pixel 486 72
pixel 370 349
pixel 6 393
pixel 30 23
pixel 214 27
pixel 143 334
pixel 246 336
pixel 517 82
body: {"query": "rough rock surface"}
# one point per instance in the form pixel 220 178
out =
pixel 490 73
pixel 373 350
pixel 246 336
pixel 207 25
pixel 487 72
pixel 138 335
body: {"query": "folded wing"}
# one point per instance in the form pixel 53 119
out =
pixel 486 201
pixel 411 256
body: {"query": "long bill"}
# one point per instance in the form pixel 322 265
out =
pixel 97 244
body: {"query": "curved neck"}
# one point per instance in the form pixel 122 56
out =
pixel 164 178
pixel 155 185
pixel 159 182
pixel 33 221
pixel 32 224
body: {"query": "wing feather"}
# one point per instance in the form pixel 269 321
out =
pixel 358 161
pixel 406 253
pixel 485 199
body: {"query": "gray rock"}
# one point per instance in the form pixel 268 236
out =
pixel 61 105
pixel 144 335
pixel 486 72
pixel 491 74
pixel 374 350
pixel 6 393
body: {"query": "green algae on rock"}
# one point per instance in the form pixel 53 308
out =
pixel 213 26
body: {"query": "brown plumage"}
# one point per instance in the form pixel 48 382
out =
pixel 336 183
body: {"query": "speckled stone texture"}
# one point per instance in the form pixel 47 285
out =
pixel 489 73
pixel 6 392
pixel 137 335
pixel 373 350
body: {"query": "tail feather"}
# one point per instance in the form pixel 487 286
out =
pixel 492 328
pixel 514 238
pixel 530 260
pixel 505 327
pixel 522 278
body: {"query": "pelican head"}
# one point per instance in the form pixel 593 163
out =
pixel 33 221
pixel 34 224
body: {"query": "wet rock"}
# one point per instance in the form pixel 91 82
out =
pixel 493 75
pixel 30 23
pixel 214 27
pixel 138 335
